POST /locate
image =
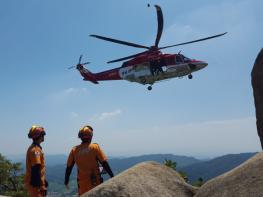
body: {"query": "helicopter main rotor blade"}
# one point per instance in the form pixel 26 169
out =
pixel 80 57
pixel 199 40
pixel 120 42
pixel 71 67
pixel 128 57
pixel 160 24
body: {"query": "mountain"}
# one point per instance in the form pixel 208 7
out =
pixel 245 180
pixel 118 165
pixel 214 167
pixel 55 173
pixel 121 162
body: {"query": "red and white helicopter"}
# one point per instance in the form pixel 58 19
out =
pixel 149 66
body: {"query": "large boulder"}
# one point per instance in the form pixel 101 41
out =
pixel 257 84
pixel 147 179
pixel 245 180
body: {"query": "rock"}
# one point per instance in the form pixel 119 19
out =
pixel 245 180
pixel 257 84
pixel 147 179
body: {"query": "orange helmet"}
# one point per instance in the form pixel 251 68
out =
pixel 36 131
pixel 86 132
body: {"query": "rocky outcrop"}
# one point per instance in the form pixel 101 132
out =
pixel 257 84
pixel 244 181
pixel 147 179
pixel 150 179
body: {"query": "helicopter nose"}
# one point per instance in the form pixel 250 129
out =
pixel 202 64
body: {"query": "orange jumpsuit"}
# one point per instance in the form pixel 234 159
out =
pixel 35 156
pixel 86 156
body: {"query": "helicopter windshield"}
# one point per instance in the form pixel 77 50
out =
pixel 182 59
pixel 186 59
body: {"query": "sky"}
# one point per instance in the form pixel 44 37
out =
pixel 211 115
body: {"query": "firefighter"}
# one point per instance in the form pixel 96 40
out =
pixel 87 157
pixel 35 178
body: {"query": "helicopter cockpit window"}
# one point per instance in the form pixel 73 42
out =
pixel 178 59
pixel 124 64
pixel 186 59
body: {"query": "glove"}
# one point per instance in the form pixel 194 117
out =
pixel 43 190
pixel 46 184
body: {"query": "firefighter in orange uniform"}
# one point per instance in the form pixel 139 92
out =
pixel 87 157
pixel 35 178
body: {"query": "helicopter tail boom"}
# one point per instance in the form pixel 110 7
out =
pixel 87 75
pixel 91 80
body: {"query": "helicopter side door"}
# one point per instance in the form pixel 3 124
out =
pixel 179 68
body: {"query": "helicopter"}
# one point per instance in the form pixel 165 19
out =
pixel 149 66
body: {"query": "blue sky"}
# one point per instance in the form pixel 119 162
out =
pixel 210 115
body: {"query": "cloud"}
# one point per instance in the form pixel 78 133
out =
pixel 74 91
pixel 69 92
pixel 106 115
pixel 74 115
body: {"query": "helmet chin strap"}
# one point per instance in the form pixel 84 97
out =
pixel 86 140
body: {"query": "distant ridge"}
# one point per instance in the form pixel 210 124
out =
pixel 246 180
pixel 60 159
pixel 121 164
pixel 214 167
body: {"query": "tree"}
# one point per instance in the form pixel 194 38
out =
pixel 199 182
pixel 11 178
pixel 183 175
pixel 172 164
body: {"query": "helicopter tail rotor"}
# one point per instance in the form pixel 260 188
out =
pixel 87 75
pixel 79 65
